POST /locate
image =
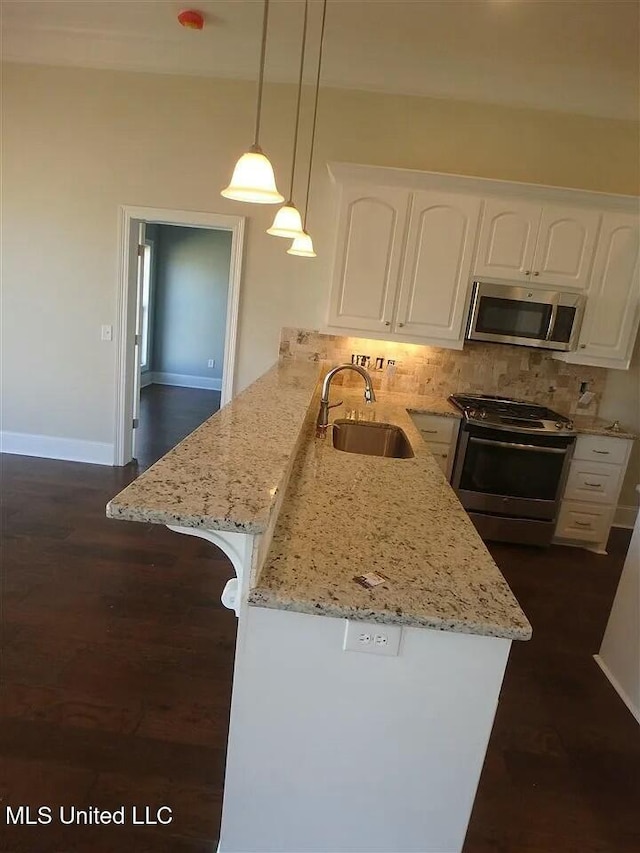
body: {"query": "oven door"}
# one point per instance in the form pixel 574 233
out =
pixel 511 474
pixel 528 317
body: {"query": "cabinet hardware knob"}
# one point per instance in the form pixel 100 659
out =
pixel 583 346
pixel 536 273
pixel 582 523
pixel 593 485
pixel 400 325
pixel 602 452
pixel 527 272
pixel 387 322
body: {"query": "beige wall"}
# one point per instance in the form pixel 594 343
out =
pixel 77 144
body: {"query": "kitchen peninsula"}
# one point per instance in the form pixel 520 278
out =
pixel 333 748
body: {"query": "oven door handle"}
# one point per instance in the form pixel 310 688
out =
pixel 513 446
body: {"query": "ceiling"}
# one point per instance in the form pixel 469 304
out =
pixel 578 56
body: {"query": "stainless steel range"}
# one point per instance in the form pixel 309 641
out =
pixel 511 464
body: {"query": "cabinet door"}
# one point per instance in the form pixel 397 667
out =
pixel 437 266
pixel 507 239
pixel 565 244
pixel 371 229
pixel 613 299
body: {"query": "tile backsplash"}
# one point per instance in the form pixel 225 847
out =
pixel 510 371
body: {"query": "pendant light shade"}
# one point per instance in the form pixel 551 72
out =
pixel 302 246
pixel 287 222
pixel 253 180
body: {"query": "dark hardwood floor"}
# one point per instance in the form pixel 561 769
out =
pixel 117 666
pixel 562 771
pixel 167 415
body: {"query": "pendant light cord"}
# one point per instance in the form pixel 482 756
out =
pixel 295 133
pixel 315 112
pixel 263 49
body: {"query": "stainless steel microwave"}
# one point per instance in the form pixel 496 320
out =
pixel 510 314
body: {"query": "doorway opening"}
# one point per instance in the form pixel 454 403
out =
pixel 179 297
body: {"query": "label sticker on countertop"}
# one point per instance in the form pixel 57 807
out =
pixel 370 580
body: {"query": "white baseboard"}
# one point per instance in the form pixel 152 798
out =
pixel 625 516
pixel 182 381
pixel 146 378
pixel 618 688
pixel 54 447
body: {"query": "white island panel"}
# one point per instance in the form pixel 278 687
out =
pixel 333 750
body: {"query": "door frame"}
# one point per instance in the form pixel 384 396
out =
pixel 126 308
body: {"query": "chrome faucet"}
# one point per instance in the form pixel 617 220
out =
pixel 323 414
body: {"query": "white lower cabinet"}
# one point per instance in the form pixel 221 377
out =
pixel 440 434
pixel 585 522
pixel 599 482
pixel 592 490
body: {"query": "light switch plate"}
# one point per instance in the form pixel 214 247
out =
pixel 372 638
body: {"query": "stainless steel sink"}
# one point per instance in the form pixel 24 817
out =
pixel 371 439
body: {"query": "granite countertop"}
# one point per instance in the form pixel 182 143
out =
pixel 346 514
pixel 340 514
pixel 584 424
pixel 425 405
pixel 228 474
pixel 590 425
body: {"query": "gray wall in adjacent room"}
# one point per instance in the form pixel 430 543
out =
pixel 190 300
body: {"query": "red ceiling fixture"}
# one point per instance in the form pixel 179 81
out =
pixel 191 19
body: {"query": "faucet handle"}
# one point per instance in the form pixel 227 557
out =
pixel 369 395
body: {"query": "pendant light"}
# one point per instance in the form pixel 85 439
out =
pixel 253 179
pixel 288 222
pixel 303 244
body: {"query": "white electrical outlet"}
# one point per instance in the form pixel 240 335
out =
pixel 372 638
pixel 211 362
pixel 106 333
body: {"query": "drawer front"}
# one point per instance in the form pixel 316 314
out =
pixel 442 454
pixel 434 428
pixel 585 522
pixel 596 482
pixel 602 448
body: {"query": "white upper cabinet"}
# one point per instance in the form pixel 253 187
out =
pixel 371 230
pixel 546 245
pixel 409 244
pixel 409 284
pixel 564 248
pixel 507 240
pixel 437 265
pixel 613 298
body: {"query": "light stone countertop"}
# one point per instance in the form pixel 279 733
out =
pixel 346 514
pixel 589 425
pixel 584 424
pixel 228 474
pixel 343 514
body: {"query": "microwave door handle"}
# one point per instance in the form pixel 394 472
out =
pixel 552 321
pixel 475 307
pixel 512 446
